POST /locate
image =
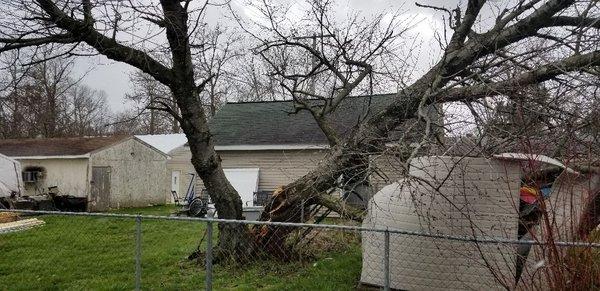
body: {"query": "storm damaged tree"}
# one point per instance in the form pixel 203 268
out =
pixel 474 51
pixel 473 66
pixel 318 64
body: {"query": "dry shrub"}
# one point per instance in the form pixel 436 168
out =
pixel 8 217
pixel 317 242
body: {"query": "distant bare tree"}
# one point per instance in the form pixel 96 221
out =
pixel 87 112
pixel 11 118
pixel 148 97
pixel 252 80
pixel 45 99
pixel 151 98
pixel 215 61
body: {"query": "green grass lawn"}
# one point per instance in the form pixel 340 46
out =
pixel 83 253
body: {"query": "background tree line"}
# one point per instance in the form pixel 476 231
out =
pixel 46 99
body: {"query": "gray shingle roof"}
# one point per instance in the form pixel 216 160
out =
pixel 273 123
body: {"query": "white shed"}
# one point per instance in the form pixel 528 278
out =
pixel 112 172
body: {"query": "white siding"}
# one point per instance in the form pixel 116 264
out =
pixel 70 175
pixel 387 169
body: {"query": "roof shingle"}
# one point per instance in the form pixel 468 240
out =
pixel 274 123
pixel 56 146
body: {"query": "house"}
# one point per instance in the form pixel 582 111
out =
pixel 112 172
pixel 264 145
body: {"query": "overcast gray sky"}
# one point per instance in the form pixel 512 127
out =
pixel 113 78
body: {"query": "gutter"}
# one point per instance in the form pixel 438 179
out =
pixel 271 147
pixel 65 157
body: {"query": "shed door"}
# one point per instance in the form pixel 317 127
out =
pixel 101 187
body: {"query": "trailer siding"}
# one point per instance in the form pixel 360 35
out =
pixel 70 175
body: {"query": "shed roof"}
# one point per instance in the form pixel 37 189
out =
pixel 72 146
pixel 275 123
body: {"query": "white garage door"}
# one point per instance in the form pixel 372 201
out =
pixel 245 181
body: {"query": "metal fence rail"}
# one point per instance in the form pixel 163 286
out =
pixel 386 240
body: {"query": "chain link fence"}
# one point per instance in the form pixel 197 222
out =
pixel 129 251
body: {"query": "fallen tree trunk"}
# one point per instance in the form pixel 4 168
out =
pixel 286 203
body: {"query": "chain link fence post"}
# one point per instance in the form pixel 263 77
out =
pixel 302 211
pixel 209 254
pixel 138 252
pixel 386 261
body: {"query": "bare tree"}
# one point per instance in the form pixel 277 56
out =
pixel 47 99
pixel 340 60
pixel 214 60
pixel 87 112
pixel 10 105
pixel 96 26
pixel 149 97
pixel 252 81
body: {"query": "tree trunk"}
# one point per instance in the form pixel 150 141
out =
pixel 174 122
pixel 233 238
pixel 590 219
pixel 152 127
pixel 285 205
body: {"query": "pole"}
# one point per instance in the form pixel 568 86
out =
pixel 386 262
pixel 302 211
pixel 209 255
pixel 138 252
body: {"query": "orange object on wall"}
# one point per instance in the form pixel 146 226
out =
pixel 529 195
